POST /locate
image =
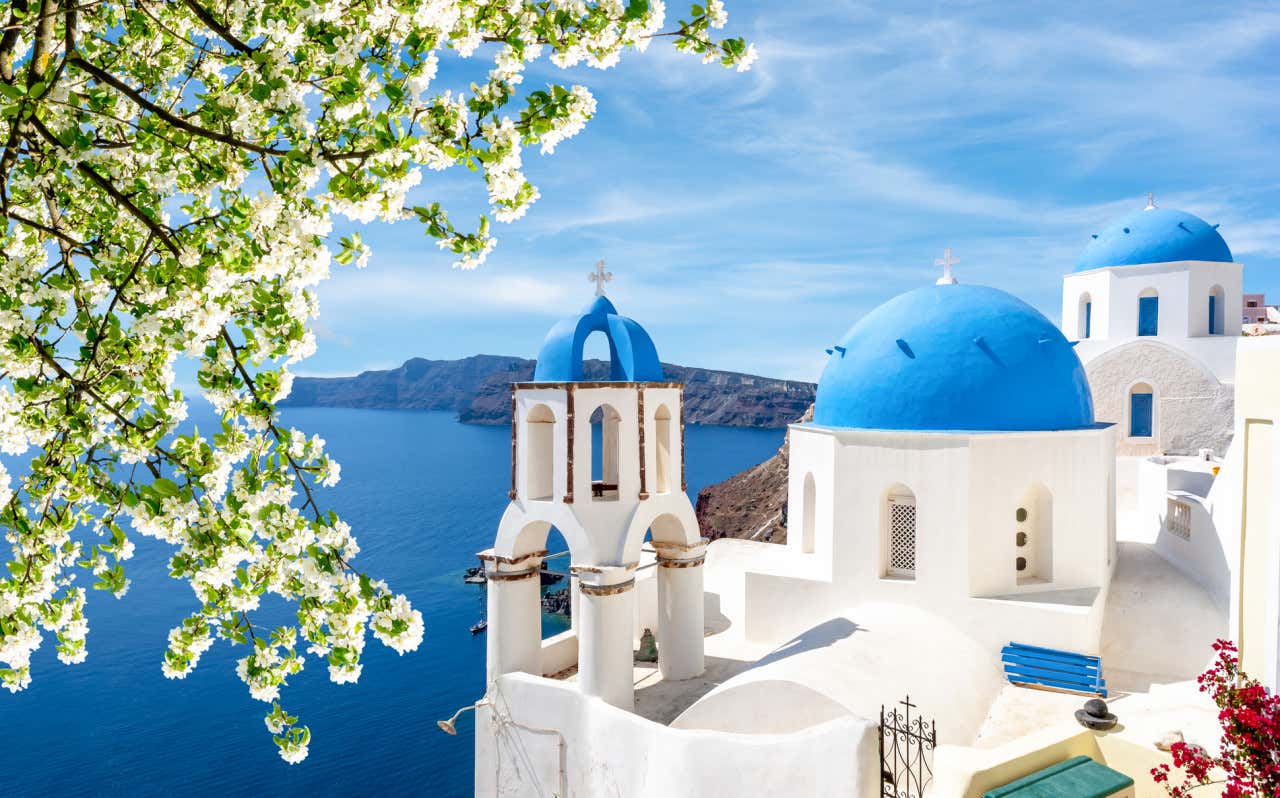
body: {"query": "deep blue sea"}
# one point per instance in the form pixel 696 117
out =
pixel 423 494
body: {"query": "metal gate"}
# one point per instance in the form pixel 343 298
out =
pixel 906 751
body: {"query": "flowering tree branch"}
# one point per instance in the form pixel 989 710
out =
pixel 168 180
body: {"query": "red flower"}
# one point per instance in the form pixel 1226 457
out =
pixel 1249 765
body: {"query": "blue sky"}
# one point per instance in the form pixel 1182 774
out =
pixel 750 219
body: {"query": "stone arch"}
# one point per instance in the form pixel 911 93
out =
pixel 522 532
pixel 899 532
pixel 808 514
pixel 1084 318
pixel 539 453
pixel 671 521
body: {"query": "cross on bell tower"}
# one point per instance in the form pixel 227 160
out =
pixel 946 262
pixel 600 277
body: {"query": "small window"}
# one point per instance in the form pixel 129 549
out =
pixel 1180 519
pixel 900 514
pixel 1141 411
pixel 1251 304
pixel 1148 312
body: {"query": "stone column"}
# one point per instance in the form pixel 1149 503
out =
pixel 680 610
pixel 606 608
pixel 515 614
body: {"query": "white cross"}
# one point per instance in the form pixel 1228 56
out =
pixel 1151 200
pixel 600 277
pixel 946 262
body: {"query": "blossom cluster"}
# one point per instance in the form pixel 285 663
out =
pixel 169 180
pixel 1248 764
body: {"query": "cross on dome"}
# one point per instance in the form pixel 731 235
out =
pixel 946 262
pixel 600 277
pixel 1151 201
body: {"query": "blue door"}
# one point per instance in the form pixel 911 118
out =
pixel 1088 318
pixel 1140 415
pixel 1148 315
pixel 1213 314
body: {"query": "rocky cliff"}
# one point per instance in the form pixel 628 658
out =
pixel 752 504
pixel 478 389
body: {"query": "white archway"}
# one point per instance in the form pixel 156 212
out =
pixel 662 449
pixel 605 453
pixel 539 451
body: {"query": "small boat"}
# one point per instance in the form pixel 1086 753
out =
pixel 479 627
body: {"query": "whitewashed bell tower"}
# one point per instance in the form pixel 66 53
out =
pixel 601 460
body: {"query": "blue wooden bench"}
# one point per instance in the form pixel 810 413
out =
pixel 1033 666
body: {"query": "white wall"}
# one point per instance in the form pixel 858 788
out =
pixel 543 738
pixel 967 488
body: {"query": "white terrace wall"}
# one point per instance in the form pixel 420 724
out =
pixel 544 738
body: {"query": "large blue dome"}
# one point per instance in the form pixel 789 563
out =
pixel 954 358
pixel 632 355
pixel 1154 235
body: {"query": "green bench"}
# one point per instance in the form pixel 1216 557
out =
pixel 1078 777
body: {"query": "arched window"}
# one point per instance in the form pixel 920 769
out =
pixel 604 453
pixel 808 515
pixel 1217 310
pixel 1141 411
pixel 539 453
pixel 597 357
pixel 1084 324
pixel 900 532
pixel 1148 312
pixel 662 466
pixel 1033 536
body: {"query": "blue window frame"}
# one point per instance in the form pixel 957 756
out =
pixel 1088 319
pixel 1140 415
pixel 1213 314
pixel 1148 315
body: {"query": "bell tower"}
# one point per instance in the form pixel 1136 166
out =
pixel 601 458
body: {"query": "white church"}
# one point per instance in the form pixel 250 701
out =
pixel 990 519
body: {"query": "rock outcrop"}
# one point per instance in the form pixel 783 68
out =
pixel 478 389
pixel 751 504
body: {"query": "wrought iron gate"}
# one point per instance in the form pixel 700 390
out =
pixel 906 751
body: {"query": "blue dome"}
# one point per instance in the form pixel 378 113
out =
pixel 954 358
pixel 1154 235
pixel 632 355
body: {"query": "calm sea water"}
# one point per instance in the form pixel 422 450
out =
pixel 423 494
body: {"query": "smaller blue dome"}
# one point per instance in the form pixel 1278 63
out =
pixel 632 356
pixel 1154 235
pixel 952 358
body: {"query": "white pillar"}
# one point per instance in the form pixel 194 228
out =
pixel 606 618
pixel 681 635
pixel 515 615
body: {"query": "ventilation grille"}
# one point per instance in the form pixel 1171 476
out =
pixel 1180 519
pixel 902 535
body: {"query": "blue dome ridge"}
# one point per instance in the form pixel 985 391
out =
pixel 1154 235
pixel 954 358
pixel 632 355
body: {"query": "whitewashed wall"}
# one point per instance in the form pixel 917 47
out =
pixel 543 738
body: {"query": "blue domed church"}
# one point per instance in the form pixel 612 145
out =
pixel 1153 303
pixel 954 463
